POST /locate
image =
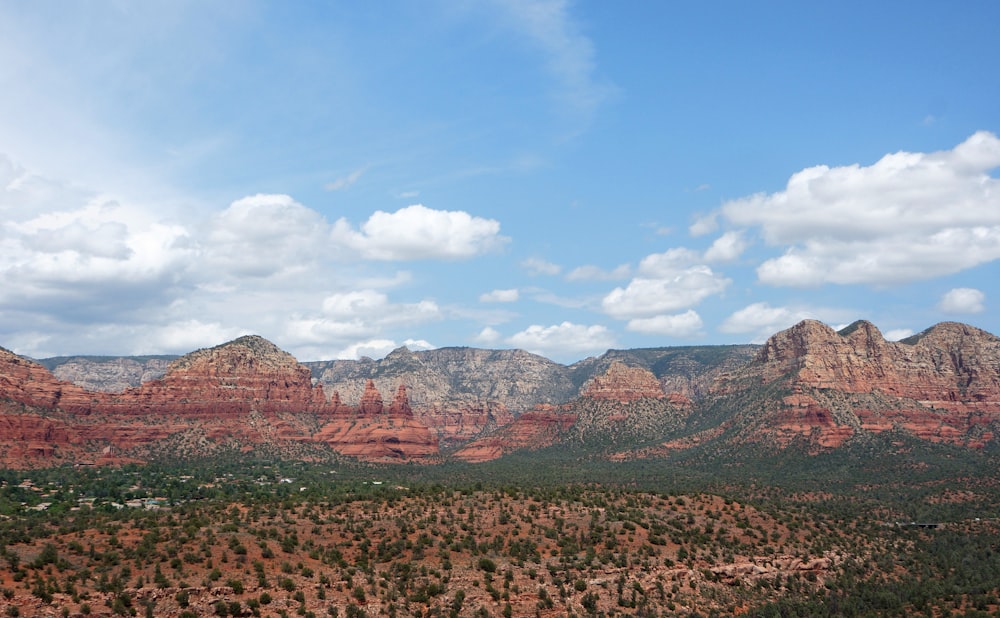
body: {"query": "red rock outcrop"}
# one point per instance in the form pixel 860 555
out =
pixel 624 384
pixel 27 382
pixel 375 433
pixel 371 401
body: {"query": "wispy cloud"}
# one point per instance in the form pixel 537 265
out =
pixel 346 181
pixel 570 56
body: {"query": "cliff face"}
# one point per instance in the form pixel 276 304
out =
pixel 942 385
pixel 459 393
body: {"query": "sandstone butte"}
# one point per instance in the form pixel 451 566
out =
pixel 942 385
pixel 624 384
pixel 243 393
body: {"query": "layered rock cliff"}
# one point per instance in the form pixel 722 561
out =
pixel 459 393
pixel 942 385
pixel 375 432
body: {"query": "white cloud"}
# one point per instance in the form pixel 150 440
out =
pixel 500 296
pixel 372 348
pixel 596 273
pixel 645 297
pixel 687 324
pixel 353 316
pixel 907 217
pixel 761 320
pixel 419 344
pixel 374 307
pixel 727 247
pixel 346 181
pixel 897 333
pixel 355 303
pixel 186 336
pixel 668 263
pixel 488 336
pixel 266 235
pixel 563 339
pixel 417 233
pixel 705 224
pixel 666 283
pixel 963 300
pixel 538 266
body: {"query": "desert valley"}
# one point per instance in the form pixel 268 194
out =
pixel 821 473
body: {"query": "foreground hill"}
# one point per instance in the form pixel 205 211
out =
pixel 809 388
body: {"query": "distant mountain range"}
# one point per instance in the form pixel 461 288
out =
pixel 807 388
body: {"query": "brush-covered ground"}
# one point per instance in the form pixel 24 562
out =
pixel 262 540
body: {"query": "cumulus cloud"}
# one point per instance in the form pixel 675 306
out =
pixel 596 273
pixel 76 264
pixel 266 235
pixel 417 233
pixel 562 340
pixel 667 282
pixel 963 300
pixel 68 262
pixel 705 224
pixel 761 320
pixel 374 306
pixel 644 297
pixel 538 266
pixel 907 217
pixel 500 296
pixel 372 348
pixel 488 336
pixel 682 325
pixel 186 335
pixel 727 247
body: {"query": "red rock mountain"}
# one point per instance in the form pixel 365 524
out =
pixel 942 385
pixel 808 385
pixel 245 394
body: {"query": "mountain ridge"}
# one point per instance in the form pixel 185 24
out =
pixel 808 385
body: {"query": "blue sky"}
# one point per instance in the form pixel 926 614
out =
pixel 345 178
